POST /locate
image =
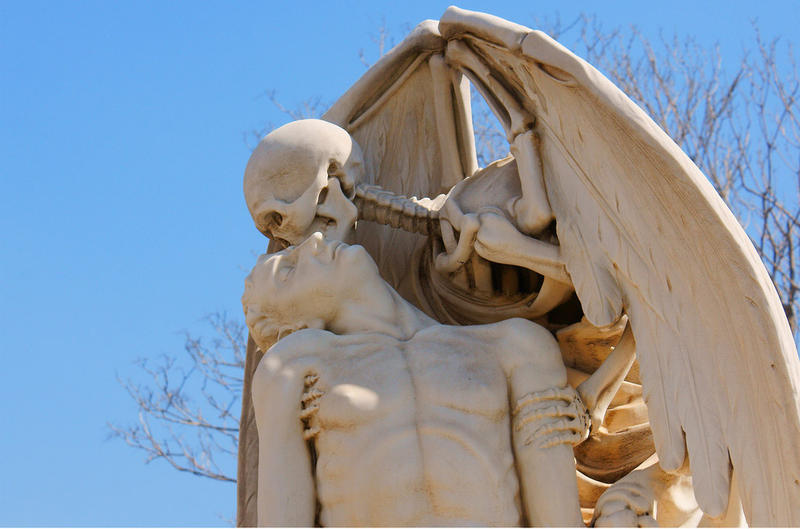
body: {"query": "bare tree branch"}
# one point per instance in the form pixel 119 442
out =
pixel 188 408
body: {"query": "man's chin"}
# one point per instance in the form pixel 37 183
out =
pixel 361 265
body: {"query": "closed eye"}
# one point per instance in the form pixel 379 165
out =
pixel 285 272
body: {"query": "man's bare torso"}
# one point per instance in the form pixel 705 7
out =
pixel 410 432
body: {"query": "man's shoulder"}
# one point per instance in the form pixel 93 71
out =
pixel 512 333
pixel 520 328
pixel 301 343
pixel 511 329
pixel 315 342
pixel 297 348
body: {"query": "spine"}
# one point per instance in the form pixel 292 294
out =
pixel 378 205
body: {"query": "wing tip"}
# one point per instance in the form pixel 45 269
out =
pixel 456 21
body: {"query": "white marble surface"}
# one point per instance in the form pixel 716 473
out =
pixel 641 239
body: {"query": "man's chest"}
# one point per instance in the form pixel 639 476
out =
pixel 409 381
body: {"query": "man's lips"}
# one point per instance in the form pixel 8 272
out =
pixel 335 246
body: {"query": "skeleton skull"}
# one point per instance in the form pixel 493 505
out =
pixel 301 179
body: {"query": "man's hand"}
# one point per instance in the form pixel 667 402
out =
pixel 625 504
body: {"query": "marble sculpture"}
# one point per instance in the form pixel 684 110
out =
pixel 580 332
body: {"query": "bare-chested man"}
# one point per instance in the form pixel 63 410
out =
pixel 375 414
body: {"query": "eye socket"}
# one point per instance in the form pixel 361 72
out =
pixel 335 171
pixel 275 219
pixel 269 222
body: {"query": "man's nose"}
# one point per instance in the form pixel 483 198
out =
pixel 314 243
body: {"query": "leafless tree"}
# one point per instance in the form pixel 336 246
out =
pixel 189 404
pixel 740 124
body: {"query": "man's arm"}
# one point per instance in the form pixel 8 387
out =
pixel 544 423
pixel 286 495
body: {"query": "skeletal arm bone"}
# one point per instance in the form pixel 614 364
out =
pixel 532 210
pixel 512 116
pixel 598 390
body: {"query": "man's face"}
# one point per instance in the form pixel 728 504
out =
pixel 306 283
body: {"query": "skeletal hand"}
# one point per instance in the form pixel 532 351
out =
pixel 552 417
pixel 625 504
pixel 496 234
pixel 489 233
pixel 457 252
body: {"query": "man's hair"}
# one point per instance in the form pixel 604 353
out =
pixel 266 319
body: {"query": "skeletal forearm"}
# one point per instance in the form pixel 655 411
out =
pixel 527 252
pixel 532 211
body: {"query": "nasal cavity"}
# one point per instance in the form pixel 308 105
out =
pixel 322 195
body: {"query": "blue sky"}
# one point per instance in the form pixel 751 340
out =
pixel 122 219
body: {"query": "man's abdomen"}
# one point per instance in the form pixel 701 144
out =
pixel 436 473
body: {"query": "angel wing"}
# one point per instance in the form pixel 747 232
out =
pixel 642 231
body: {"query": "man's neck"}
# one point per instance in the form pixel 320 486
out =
pixel 384 312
